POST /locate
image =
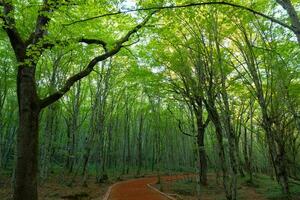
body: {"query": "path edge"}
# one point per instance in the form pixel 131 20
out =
pixel 160 192
pixel 107 194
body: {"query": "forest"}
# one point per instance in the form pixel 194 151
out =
pixel 153 100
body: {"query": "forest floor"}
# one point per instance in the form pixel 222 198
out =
pixel 131 188
pixel 187 189
pixel 262 188
pixel 60 188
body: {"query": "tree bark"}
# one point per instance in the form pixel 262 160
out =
pixel 201 149
pixel 215 118
pixel 27 138
pixel 29 103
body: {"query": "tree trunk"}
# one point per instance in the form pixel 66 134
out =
pixel 246 153
pixel 140 162
pixel 215 118
pixel 127 132
pixel 27 139
pixel 273 137
pixel 109 143
pixel 46 148
pixel 201 149
pixel 278 156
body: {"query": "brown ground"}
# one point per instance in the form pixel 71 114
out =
pixel 58 188
pixel 136 189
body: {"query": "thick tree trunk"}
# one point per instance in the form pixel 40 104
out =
pixel 27 139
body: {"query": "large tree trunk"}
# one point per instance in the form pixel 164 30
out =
pixel 27 138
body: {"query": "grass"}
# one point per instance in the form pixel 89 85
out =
pixel 263 185
pixel 270 188
pixel 185 187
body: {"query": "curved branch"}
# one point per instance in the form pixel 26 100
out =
pixel 73 79
pixel 182 131
pixel 95 41
pixel 102 43
pixel 185 6
pixel 13 34
pixel 179 125
pixel 41 22
pixel 294 18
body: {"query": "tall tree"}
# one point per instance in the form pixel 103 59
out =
pixel 27 53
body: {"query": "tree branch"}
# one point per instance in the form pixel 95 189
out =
pixel 179 125
pixel 294 18
pixel 95 41
pixel 182 131
pixel 9 26
pixel 42 21
pixel 73 79
pixel 185 6
pixel 206 122
pixel 81 40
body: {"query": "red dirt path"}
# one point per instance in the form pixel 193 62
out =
pixel 136 189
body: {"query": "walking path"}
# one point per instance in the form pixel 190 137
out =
pixel 137 189
pixel 141 189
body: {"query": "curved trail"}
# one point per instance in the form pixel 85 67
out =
pixel 136 189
